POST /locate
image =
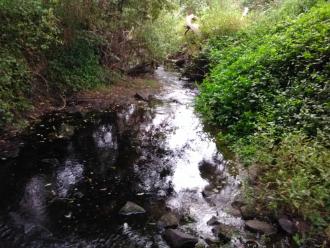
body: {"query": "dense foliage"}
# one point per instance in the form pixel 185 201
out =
pixel 268 90
pixel 27 32
pixel 51 48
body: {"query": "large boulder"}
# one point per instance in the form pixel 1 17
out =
pixel 131 208
pixel 179 239
pixel 260 227
pixel 168 220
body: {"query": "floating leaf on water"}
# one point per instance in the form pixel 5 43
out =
pixel 68 216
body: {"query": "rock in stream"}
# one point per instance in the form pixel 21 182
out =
pixel 179 239
pixel 131 208
pixel 260 226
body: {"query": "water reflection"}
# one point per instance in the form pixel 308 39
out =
pixel 156 155
pixel 67 176
pixel 104 137
pixel 33 202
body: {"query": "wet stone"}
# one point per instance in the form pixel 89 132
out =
pixel 131 208
pixel 207 193
pixel 179 239
pixel 234 212
pixel 168 220
pixel 287 225
pixel 260 227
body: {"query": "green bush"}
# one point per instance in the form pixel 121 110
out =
pixel 277 75
pixel 76 66
pixel 27 32
pixel 50 48
pixel 28 26
pixel 15 82
pixel 268 91
pixel 296 175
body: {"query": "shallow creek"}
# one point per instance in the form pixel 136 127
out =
pixel 75 172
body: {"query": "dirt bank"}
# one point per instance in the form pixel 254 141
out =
pixel 114 96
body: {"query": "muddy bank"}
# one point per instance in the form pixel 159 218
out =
pixel 113 97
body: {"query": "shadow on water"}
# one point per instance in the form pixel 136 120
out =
pixel 75 172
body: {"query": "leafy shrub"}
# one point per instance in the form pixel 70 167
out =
pixel 27 26
pixel 60 45
pixel 27 31
pixel 296 175
pixel 76 66
pixel 279 78
pixel 268 90
pixel 14 85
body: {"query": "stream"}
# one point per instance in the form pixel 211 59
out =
pixel 75 172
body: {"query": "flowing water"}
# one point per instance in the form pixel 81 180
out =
pixel 76 171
